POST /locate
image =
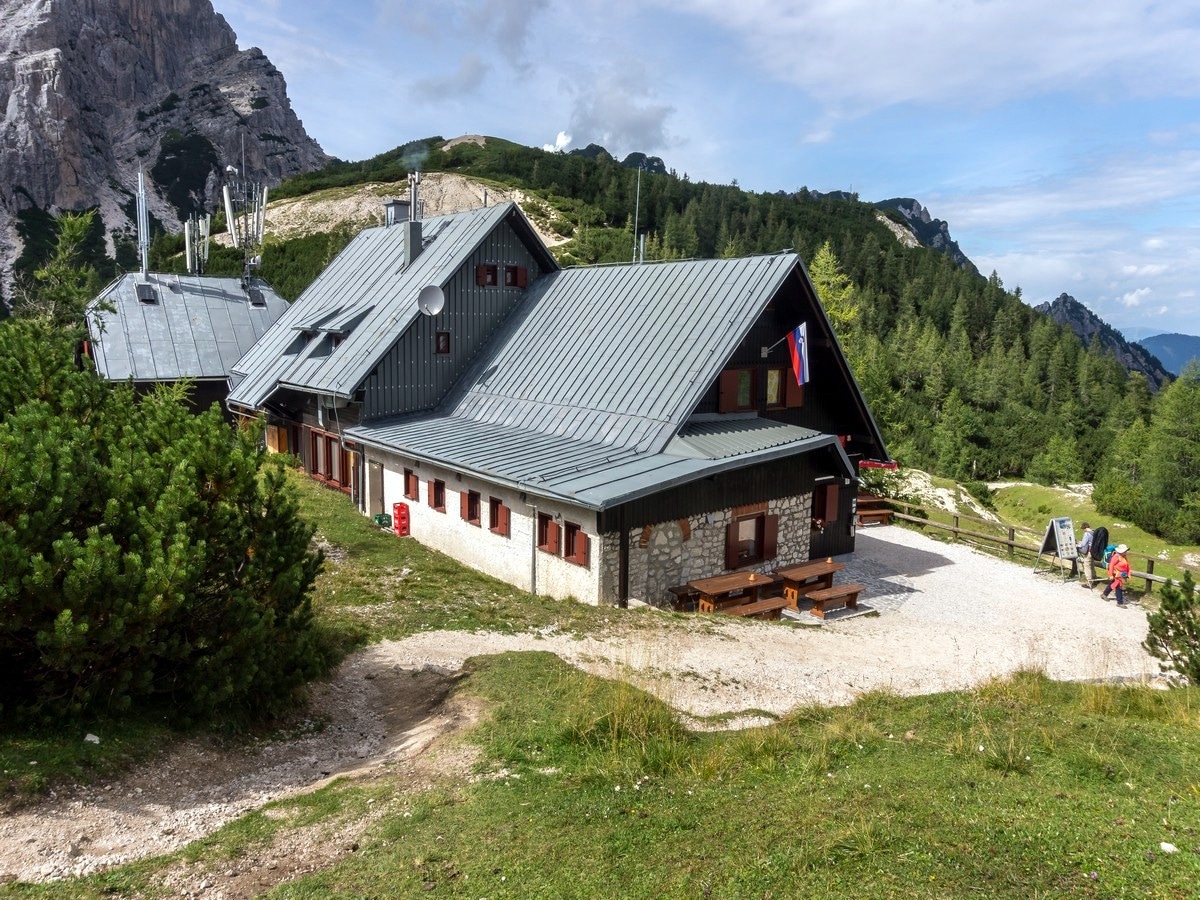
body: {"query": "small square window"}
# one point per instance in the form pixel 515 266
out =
pixel 441 343
pixel 499 517
pixel 470 507
pixel 486 274
pixel 412 485
pixel 437 495
pixel 548 534
pixel 576 545
pixel 775 388
pixel 516 276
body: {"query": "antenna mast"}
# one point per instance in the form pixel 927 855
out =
pixel 143 224
pixel 246 214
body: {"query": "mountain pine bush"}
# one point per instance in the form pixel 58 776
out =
pixel 146 553
pixel 1174 634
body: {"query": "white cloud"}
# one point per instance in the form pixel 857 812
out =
pixel 861 55
pixel 1135 298
pixel 561 142
pixel 618 109
pixel 466 79
pixel 1144 271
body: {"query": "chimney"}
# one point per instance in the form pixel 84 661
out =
pixel 394 212
pixel 412 227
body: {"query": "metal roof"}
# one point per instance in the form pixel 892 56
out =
pixel 618 355
pixel 368 275
pixel 189 326
pixel 588 473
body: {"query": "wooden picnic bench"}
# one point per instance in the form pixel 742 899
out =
pixel 873 510
pixel 837 597
pixel 732 589
pixel 686 597
pixel 801 580
pixel 767 608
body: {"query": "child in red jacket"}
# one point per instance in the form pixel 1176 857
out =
pixel 1118 573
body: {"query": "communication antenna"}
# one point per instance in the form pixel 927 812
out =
pixel 246 215
pixel 143 224
pixel 195 240
pixel 431 300
pixel 637 205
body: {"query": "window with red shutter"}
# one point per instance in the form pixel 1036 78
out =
pixel 576 545
pixel 498 515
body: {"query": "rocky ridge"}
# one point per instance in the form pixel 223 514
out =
pixel 1066 310
pixel 92 91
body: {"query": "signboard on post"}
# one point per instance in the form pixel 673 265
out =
pixel 1059 541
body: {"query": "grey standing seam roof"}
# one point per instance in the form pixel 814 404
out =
pixel 594 475
pixel 583 393
pixel 368 275
pixel 618 354
pixel 197 327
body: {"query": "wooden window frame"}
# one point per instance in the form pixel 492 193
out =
pixel 516 277
pixel 487 275
pixel 783 374
pixel 766 537
pixel 549 534
pixel 441 343
pixel 499 517
pixel 826 502
pixel 729 387
pixel 412 485
pixel 437 494
pixel 576 545
pixel 469 508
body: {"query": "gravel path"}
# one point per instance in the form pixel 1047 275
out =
pixel 949 618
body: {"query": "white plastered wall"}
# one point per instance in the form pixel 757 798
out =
pixel 511 559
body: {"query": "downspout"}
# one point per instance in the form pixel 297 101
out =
pixel 533 551
pixel 622 561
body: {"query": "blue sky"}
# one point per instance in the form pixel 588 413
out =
pixel 1060 141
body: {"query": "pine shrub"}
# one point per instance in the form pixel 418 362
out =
pixel 147 554
pixel 1174 633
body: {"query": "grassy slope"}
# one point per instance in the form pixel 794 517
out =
pixel 1021 788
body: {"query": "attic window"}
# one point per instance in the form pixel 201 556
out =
pixel 257 298
pixel 516 276
pixel 486 274
pixel 146 293
pixel 441 343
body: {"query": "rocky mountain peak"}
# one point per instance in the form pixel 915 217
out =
pixel 93 90
pixel 933 233
pixel 1066 310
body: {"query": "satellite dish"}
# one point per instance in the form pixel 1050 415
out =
pixel 431 300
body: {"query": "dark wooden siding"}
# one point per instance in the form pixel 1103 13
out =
pixel 830 405
pixel 411 377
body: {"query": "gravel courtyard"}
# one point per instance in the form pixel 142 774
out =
pixel 948 617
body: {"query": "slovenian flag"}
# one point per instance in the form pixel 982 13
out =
pixel 798 345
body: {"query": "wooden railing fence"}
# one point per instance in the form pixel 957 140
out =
pixel 1011 543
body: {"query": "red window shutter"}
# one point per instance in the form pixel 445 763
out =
pixel 522 277
pixel 831 503
pixel 431 488
pixel 731 546
pixel 727 391
pixel 583 549
pixel 770 537
pixel 504 521
pixel 481 274
pixel 464 505
pixel 553 538
pixel 793 394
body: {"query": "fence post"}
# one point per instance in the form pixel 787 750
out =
pixel 1149 571
pixel 956 526
pixel 1012 540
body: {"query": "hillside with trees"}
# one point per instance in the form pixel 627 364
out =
pixel 964 378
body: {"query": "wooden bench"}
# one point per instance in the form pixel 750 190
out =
pixel 766 608
pixel 686 597
pixel 873 510
pixel 837 597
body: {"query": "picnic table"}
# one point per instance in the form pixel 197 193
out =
pixel 733 589
pixel 805 578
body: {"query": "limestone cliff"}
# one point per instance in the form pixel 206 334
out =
pixel 91 90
